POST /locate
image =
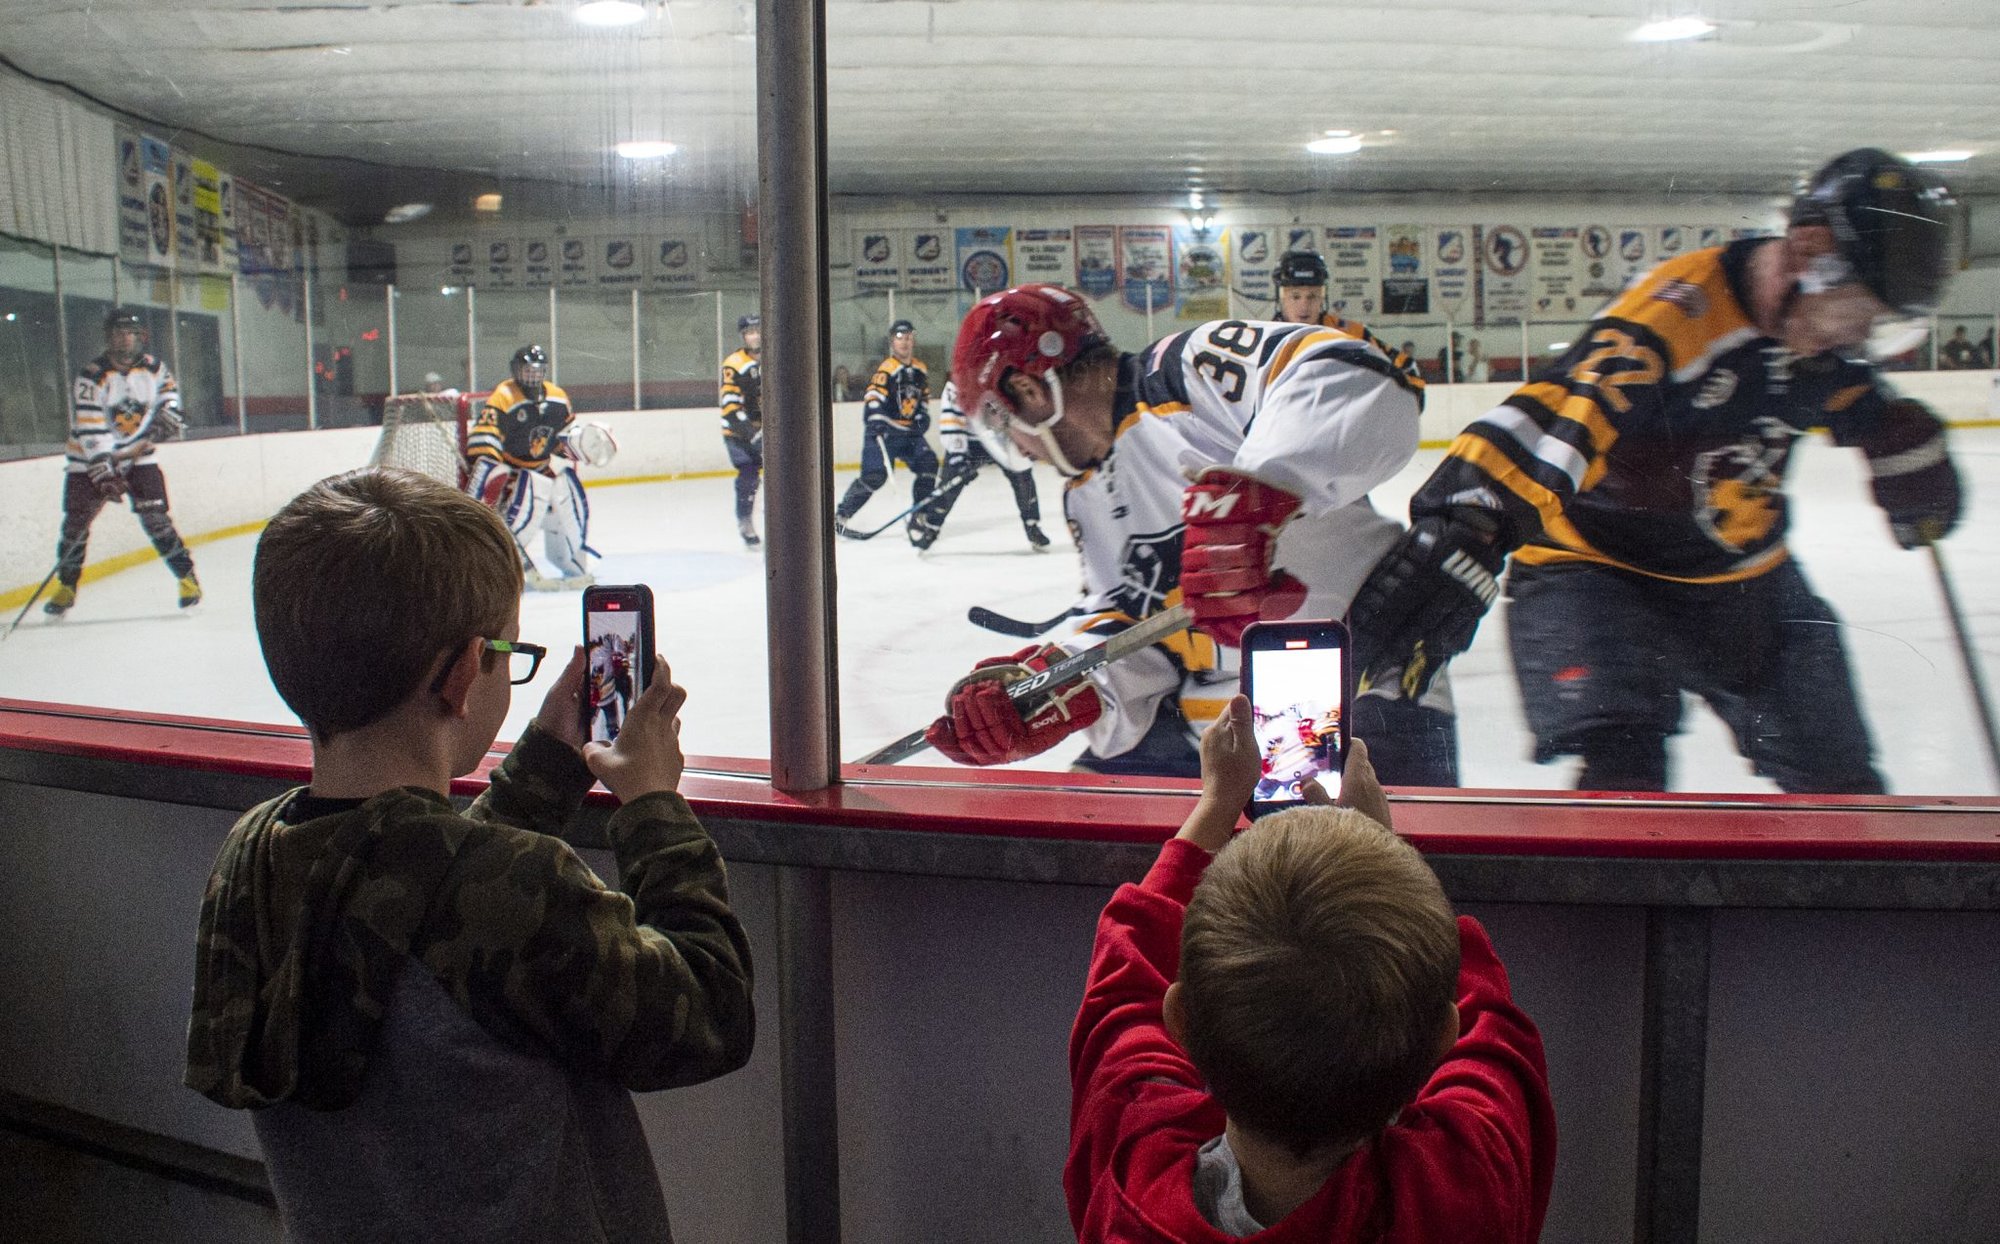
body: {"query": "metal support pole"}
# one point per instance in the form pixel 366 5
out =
pixel 1524 350
pixel 174 309
pixel 118 285
pixel 236 352
pixel 892 306
pixel 1673 1053
pixel 555 340
pixel 1450 355
pixel 471 340
pixel 312 371
pixel 1934 341
pixel 389 315
pixel 1149 313
pixel 799 589
pixel 721 350
pixel 637 401
pixel 66 375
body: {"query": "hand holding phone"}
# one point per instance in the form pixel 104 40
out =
pixel 1300 686
pixel 647 757
pixel 618 655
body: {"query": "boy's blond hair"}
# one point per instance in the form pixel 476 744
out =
pixel 363 580
pixel 1318 959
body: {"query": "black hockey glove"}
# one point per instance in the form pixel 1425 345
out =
pixel 106 478
pixel 168 422
pixel 1915 482
pixel 1422 603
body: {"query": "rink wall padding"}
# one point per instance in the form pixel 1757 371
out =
pixel 225 486
pixel 1767 1017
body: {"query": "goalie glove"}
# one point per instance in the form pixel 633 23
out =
pixel 1422 603
pixel 1226 576
pixel 589 443
pixel 1915 482
pixel 105 477
pixel 981 726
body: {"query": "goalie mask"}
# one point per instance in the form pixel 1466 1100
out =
pixel 1032 329
pixel 1894 233
pixel 530 370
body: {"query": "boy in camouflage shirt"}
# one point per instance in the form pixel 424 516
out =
pixel 434 1017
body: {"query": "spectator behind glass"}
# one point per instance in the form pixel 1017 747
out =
pixel 436 1017
pixel 843 380
pixel 1337 1061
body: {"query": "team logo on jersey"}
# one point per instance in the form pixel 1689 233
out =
pixel 1689 297
pixel 1717 389
pixel 128 416
pixel 1148 570
pixel 538 441
pixel 1738 497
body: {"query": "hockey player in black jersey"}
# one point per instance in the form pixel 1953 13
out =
pixel 123 402
pixel 895 415
pixel 743 421
pixel 1638 486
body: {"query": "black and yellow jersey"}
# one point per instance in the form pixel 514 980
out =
pixel 1412 375
pixel 899 394
pixel 516 429
pixel 742 397
pixel 1658 442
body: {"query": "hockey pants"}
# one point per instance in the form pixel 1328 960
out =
pixel 748 459
pixel 527 499
pixel 82 503
pixel 1022 482
pixel 878 449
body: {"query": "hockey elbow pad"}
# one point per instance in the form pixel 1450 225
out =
pixel 1232 524
pixel 982 726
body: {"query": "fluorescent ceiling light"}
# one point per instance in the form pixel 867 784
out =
pixel 404 213
pixel 486 203
pixel 1672 28
pixel 1335 144
pixel 646 149
pixel 1937 157
pixel 610 13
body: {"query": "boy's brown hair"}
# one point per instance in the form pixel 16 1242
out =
pixel 363 580
pixel 1318 959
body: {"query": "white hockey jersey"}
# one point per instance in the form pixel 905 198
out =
pixel 113 408
pixel 1315 410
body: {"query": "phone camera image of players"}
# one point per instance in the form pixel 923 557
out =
pixel 1296 676
pixel 618 654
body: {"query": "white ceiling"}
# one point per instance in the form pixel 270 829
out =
pixel 932 97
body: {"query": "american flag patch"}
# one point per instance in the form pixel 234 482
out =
pixel 1685 295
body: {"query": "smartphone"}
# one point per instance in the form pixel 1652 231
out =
pixel 1299 681
pixel 618 654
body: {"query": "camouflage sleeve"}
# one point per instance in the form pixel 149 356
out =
pixel 649 986
pixel 539 786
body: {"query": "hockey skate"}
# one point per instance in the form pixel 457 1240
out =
pixel 576 582
pixel 841 529
pixel 61 598
pixel 748 532
pixel 190 590
pixel 536 581
pixel 1036 540
pixel 922 533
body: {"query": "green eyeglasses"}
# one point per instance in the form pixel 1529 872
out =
pixel 523 659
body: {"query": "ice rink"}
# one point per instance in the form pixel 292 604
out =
pixel 904 636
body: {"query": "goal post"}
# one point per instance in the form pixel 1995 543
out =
pixel 425 433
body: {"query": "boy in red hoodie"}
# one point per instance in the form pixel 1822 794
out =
pixel 1297 1041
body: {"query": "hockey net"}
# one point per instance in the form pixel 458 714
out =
pixel 425 433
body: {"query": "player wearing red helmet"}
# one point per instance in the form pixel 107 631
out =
pixel 1226 467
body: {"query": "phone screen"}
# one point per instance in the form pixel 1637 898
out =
pixel 615 672
pixel 1296 713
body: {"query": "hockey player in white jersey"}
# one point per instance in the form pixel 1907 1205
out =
pixel 966 449
pixel 1227 467
pixel 124 401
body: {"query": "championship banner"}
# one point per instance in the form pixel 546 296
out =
pixel 618 261
pixel 537 265
pixel 1709 236
pixel 1557 279
pixel 1634 254
pixel 502 264
pixel 226 208
pixel 208 215
pixel 673 263
pixel 1300 237
pixel 927 264
pixel 461 270
pixel 985 258
pixel 1253 260
pixel 573 263
pixel 132 224
pixel 1047 256
pixel 187 238
pixel 878 259
pixel 1674 241
pixel 1503 278
pixel 1201 276
pixel 157 159
pixel 1599 282
pixel 1454 253
pixel 1353 262
pixel 1097 260
pixel 1145 267
pixel 1406 290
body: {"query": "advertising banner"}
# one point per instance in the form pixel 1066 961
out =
pixel 1045 255
pixel 1097 260
pixel 985 258
pixel 1504 275
pixel 1145 267
pixel 1353 262
pixel 1201 276
pixel 1557 280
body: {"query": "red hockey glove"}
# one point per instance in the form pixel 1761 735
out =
pixel 1226 576
pixel 983 727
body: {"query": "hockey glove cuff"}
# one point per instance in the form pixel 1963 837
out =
pixel 1915 482
pixel 1232 524
pixel 1422 603
pixel 981 726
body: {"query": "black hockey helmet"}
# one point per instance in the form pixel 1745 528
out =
pixel 123 317
pixel 1893 225
pixel 900 327
pixel 1300 268
pixel 744 323
pixel 524 358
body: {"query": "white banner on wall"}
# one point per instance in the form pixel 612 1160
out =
pixel 673 262
pixel 187 236
pixel 1557 283
pixel 502 267
pixel 573 263
pixel 1353 262
pixel 618 260
pixel 1201 276
pixel 1503 278
pixel 985 258
pixel 1044 255
pixel 1453 252
pixel 878 259
pixel 1097 260
pixel 927 267
pixel 537 266
pixel 1634 254
pixel 1599 269
pixel 132 223
pixel 1253 259
pixel 157 158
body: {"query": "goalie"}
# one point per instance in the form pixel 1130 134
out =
pixel 516 456
pixel 125 400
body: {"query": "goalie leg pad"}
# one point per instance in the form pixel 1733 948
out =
pixel 566 525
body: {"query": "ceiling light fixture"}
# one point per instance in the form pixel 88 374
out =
pixel 1336 142
pixel 1673 28
pixel 646 149
pixel 404 213
pixel 610 13
pixel 1938 157
pixel 486 203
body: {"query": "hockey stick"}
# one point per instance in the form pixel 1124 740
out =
pixel 1965 654
pixel 981 616
pixel 1064 672
pixel 914 506
pixel 31 601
